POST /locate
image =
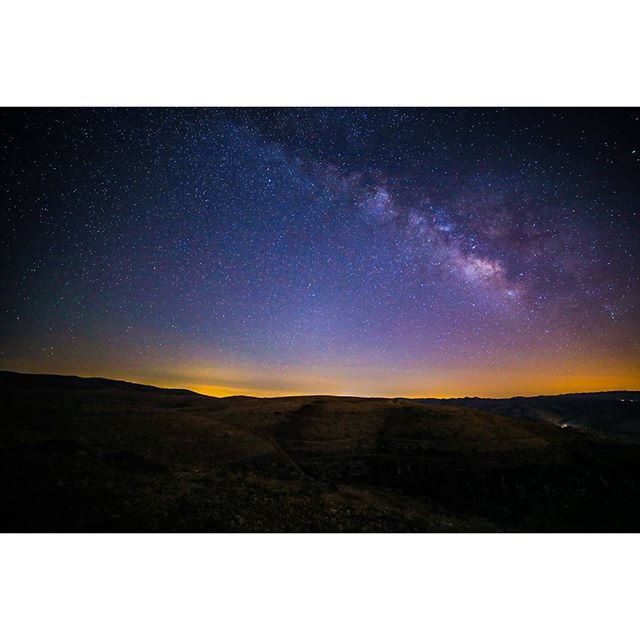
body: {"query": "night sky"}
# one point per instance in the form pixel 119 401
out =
pixel 413 252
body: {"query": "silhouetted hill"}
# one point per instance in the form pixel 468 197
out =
pixel 75 383
pixel 99 455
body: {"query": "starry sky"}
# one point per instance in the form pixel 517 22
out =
pixel 394 252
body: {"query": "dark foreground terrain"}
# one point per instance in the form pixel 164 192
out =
pixel 100 455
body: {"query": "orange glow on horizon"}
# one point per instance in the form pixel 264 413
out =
pixel 225 381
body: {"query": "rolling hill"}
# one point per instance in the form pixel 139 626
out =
pixel 102 455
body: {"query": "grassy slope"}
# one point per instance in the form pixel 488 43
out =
pixel 91 455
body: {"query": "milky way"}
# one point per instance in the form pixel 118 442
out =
pixel 424 252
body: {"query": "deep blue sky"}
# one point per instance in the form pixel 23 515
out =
pixel 354 251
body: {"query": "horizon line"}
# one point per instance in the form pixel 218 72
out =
pixel 304 395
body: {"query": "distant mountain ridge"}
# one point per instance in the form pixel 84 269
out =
pixel 580 394
pixel 611 413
